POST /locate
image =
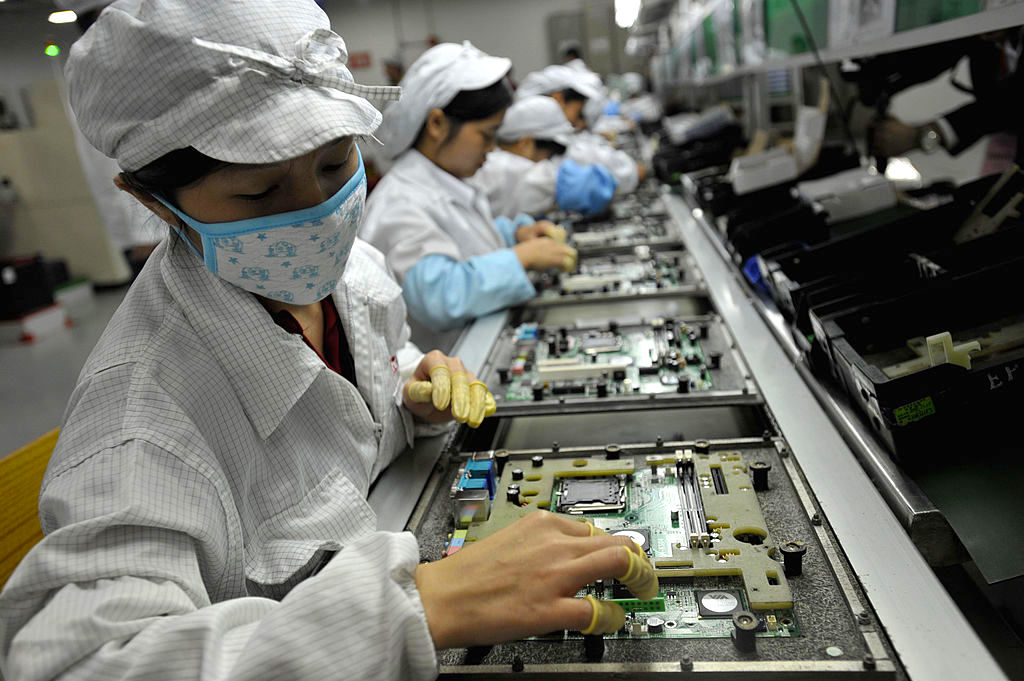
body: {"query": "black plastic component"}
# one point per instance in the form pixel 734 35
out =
pixel 612 451
pixel 563 332
pixel 602 389
pixel 552 347
pixel 744 628
pixel 593 647
pixel 684 385
pixel 517 473
pixel 702 446
pixel 537 461
pixel 538 393
pixel 675 517
pixel 715 360
pixel 759 471
pixel 619 374
pixel 500 459
pixel 793 557
pixel 648 371
pixel 613 326
pixel 512 494
pixel 568 389
pixel 655 625
pixel 563 345
pixel 703 331
pixel 503 375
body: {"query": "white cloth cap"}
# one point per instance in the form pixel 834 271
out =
pixel 259 81
pixel 536 116
pixel 432 82
pixel 557 77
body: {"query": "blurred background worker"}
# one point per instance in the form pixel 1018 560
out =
pixel 455 261
pixel 997 110
pixel 528 172
pixel 574 90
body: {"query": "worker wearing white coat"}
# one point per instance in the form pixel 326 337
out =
pixel 454 259
pixel 205 510
pixel 527 172
pixel 575 91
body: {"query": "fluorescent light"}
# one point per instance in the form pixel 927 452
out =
pixel 626 12
pixel 65 17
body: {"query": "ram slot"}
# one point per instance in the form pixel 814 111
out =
pixel 691 504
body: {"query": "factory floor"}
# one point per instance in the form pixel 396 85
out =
pixel 37 380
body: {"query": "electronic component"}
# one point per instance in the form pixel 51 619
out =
pixel 745 625
pixel 591 495
pixel 793 557
pixel 641 536
pixel 719 603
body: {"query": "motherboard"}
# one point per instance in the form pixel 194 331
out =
pixel 641 272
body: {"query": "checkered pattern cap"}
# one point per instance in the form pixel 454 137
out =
pixel 432 82
pixel 258 81
pixel 536 116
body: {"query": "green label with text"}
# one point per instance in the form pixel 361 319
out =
pixel 915 411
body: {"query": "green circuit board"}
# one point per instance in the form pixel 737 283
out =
pixel 696 516
pixel 600 363
pixel 642 272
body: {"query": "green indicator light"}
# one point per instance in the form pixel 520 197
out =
pixel 52 50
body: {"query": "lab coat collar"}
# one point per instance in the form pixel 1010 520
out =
pixel 433 177
pixel 269 368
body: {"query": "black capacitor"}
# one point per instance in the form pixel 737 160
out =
pixel 793 557
pixel 599 588
pixel 602 389
pixel 563 345
pixel 503 376
pixel 538 393
pixel 552 347
pixel 744 628
pixel 759 471
pixel 512 494
pixel 593 647
pixel 517 473
pixel 500 459
pixel 593 359
pixel 563 332
pixel 537 461
pixel 715 360
pixel 684 385
pixel 691 359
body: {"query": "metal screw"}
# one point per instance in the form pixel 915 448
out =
pixel 766 435
pixel 815 519
pixel 554 447
pixel 686 664
pixel 869 662
pixel 784 452
pixel 659 443
pixel 863 617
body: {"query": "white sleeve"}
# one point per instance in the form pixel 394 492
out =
pixel 588 149
pixel 534 193
pixel 126 594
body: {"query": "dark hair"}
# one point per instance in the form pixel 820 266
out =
pixel 571 95
pixel 573 53
pixel 87 19
pixel 172 171
pixel 550 146
pixel 473 105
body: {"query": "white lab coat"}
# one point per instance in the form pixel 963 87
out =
pixel 587 148
pixel 419 209
pixel 514 184
pixel 208 464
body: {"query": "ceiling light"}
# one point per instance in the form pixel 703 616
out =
pixel 65 17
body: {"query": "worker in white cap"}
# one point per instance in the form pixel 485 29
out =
pixel 576 91
pixel 205 508
pixel 528 171
pixel 454 259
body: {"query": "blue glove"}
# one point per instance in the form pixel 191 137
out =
pixel 585 189
pixel 612 108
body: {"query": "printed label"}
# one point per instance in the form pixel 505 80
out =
pixel 915 411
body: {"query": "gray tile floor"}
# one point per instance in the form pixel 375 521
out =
pixel 36 379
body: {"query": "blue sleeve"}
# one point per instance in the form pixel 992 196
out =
pixel 585 189
pixel 443 293
pixel 507 228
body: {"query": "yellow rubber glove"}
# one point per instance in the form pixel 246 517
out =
pixel 441 387
pixel 640 577
pixel 608 617
pixel 471 403
pixel 555 232
pixel 569 262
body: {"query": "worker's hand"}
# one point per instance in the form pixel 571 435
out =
pixel 641 172
pixel 522 581
pixel 442 389
pixel 891 137
pixel 543 228
pixel 544 254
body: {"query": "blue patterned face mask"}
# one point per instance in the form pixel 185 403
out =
pixel 295 257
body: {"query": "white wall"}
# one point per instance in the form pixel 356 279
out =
pixel 516 29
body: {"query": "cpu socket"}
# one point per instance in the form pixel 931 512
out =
pixel 591 495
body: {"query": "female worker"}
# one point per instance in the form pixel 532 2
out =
pixel 453 259
pixel 528 173
pixel 204 509
pixel 575 92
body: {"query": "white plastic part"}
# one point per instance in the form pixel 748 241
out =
pixel 760 171
pixel 942 351
pixel 850 194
